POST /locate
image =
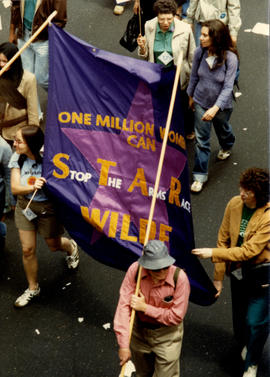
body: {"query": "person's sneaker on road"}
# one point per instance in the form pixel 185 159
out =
pixel 73 259
pixel 26 297
pixel 251 372
pixel 118 10
pixel 244 353
pixel 196 186
pixel 223 155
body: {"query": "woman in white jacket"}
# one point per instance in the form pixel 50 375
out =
pixel 227 11
pixel 165 36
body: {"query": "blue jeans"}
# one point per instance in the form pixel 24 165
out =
pixel 184 9
pixel 197 32
pixel 35 59
pixel 224 134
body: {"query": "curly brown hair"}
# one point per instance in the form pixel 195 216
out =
pixel 257 181
pixel 165 7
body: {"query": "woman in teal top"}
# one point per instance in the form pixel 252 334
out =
pixel 165 36
pixel 163 42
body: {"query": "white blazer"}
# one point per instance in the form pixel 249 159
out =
pixel 182 40
pixel 227 11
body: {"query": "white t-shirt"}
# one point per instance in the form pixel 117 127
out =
pixel 29 172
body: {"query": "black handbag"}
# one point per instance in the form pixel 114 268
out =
pixel 129 39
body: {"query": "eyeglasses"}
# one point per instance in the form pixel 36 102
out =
pixel 245 192
pixel 17 141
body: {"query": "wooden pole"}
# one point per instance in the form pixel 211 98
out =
pixel 39 30
pixel 140 18
pixel 158 175
pixel 30 201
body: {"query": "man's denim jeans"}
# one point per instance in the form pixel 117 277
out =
pixel 224 134
pixel 35 59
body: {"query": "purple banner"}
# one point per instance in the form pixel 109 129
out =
pixel 105 124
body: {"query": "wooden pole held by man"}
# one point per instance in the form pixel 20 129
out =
pixel 156 187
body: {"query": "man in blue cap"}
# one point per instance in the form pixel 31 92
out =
pixel 161 305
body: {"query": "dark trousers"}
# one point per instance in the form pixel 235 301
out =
pixel 251 318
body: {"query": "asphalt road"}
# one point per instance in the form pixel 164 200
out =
pixel 62 334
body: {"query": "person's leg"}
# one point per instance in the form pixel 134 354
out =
pixel 60 244
pixel 258 324
pixel 2 198
pixel 41 63
pixel 29 60
pixel 142 356
pixel 188 115
pixel 197 33
pixel 3 228
pixel 167 348
pixel 185 8
pixel 239 309
pixel 30 264
pixel 223 129
pixel 66 245
pixel 3 232
pixel 28 57
pixel 202 146
pixel 27 234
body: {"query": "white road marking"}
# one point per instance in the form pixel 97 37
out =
pixel 259 28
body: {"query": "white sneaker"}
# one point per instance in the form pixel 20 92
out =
pixel 196 186
pixel 26 297
pixel 251 372
pixel 73 259
pixel 223 155
pixel 118 10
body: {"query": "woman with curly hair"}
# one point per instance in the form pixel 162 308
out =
pixel 210 93
pixel 165 38
pixel 243 251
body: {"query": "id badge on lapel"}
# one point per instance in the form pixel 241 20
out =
pixel 165 58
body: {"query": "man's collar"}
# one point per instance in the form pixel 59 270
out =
pixel 169 279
